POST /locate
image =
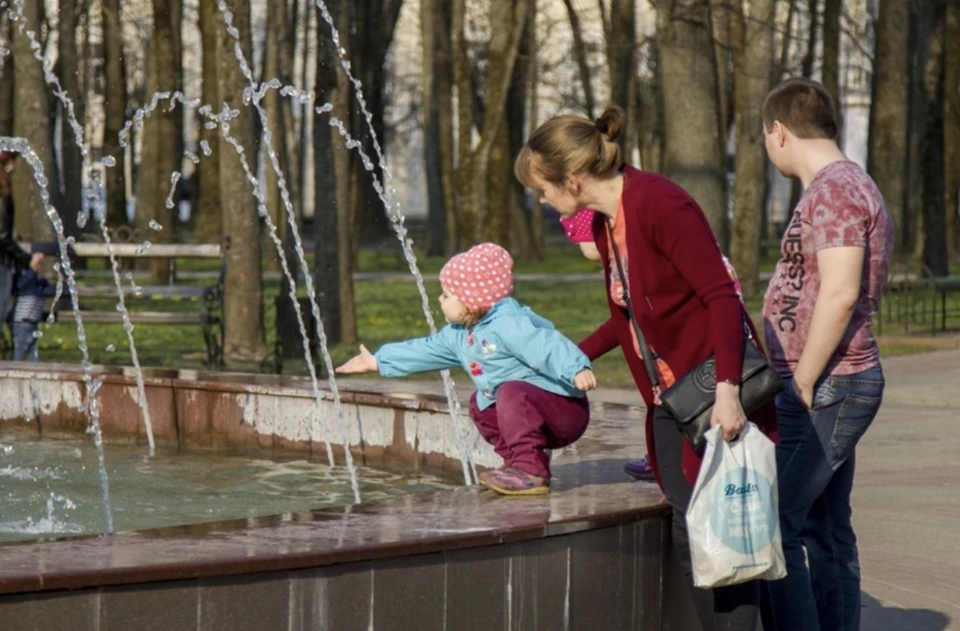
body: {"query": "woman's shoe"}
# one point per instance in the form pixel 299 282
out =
pixel 639 469
pixel 513 481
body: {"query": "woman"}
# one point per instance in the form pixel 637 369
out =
pixel 683 297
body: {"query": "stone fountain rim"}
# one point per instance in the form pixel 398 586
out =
pixel 234 382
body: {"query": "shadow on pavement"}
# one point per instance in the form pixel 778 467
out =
pixel 876 617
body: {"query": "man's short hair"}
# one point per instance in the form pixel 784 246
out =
pixel 804 107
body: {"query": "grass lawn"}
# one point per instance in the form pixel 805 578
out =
pixel 386 311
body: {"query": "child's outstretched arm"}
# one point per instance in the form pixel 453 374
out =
pixel 549 352
pixel 400 359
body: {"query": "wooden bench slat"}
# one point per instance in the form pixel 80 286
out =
pixel 148 291
pixel 129 250
pixel 157 250
pixel 137 317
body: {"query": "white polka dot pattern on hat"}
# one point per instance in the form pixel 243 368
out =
pixel 479 277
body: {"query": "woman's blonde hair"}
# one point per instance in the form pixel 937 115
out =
pixel 569 144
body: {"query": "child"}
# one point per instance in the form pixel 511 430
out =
pixel 30 287
pixel 579 230
pixel 530 379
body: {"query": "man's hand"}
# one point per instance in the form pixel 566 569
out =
pixel 363 362
pixel 36 260
pixel 585 380
pixel 728 412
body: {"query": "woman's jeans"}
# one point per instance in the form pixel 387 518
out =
pixel 732 608
pixel 815 462
pixel 26 344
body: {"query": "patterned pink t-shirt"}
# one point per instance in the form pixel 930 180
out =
pixel 842 207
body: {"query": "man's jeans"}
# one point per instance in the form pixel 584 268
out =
pixel 815 462
pixel 26 344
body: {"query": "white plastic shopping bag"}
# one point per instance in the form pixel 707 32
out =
pixel 732 519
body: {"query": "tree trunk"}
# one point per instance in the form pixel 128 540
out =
pixel 115 108
pixel 6 79
pixel 536 208
pixel 722 15
pixel 783 67
pixel 207 211
pixel 806 66
pixel 920 25
pixel 806 69
pixel 951 125
pixel 32 120
pixel 372 26
pixel 443 80
pixel 307 117
pixel 346 173
pixel 622 60
pixel 287 71
pixel 273 105
pixel 830 74
pixel 469 221
pixel 68 71
pixel 580 54
pixel 243 285
pixel 473 170
pixel 432 156
pixel 162 147
pixel 934 252
pixel 496 220
pixel 888 111
pixel 753 63
pixel 327 248
pixel 522 241
pixel 650 98
pixel 694 152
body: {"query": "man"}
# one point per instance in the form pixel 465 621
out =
pixel 817 316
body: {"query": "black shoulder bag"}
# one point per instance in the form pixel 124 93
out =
pixel 690 400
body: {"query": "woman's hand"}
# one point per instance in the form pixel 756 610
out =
pixel 728 412
pixel 585 380
pixel 364 362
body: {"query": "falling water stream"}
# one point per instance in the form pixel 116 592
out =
pixel 252 95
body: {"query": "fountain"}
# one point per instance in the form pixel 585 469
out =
pixel 288 567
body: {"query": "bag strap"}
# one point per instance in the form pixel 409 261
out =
pixel 644 347
pixel 648 361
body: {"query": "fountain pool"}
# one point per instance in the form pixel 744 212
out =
pixel 51 488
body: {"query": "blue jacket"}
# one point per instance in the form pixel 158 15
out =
pixel 510 343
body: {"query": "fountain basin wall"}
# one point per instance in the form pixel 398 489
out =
pixel 595 554
pixel 223 411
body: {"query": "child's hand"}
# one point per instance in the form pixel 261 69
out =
pixel 36 261
pixel 364 362
pixel 585 380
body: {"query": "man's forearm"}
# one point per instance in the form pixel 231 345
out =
pixel 831 316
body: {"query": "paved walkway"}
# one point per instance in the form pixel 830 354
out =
pixel 907 495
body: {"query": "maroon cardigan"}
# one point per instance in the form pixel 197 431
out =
pixel 683 297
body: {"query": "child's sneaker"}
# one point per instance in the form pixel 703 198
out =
pixel 483 476
pixel 639 469
pixel 512 481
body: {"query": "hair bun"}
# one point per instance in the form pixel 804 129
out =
pixel 601 126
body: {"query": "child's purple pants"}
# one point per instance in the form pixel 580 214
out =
pixel 525 420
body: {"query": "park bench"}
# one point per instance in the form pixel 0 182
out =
pixel 208 298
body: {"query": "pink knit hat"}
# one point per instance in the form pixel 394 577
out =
pixel 579 227
pixel 479 277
